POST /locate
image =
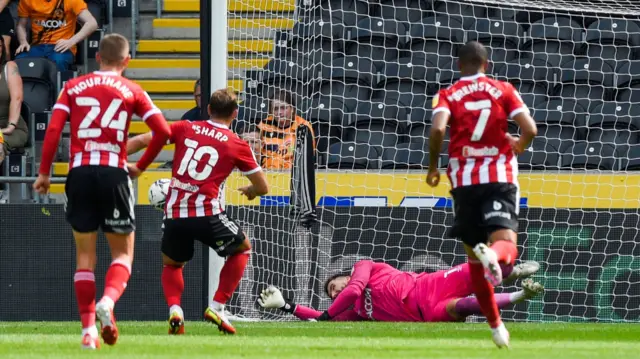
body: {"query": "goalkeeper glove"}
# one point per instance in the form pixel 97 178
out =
pixel 271 297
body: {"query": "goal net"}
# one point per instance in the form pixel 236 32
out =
pixel 363 74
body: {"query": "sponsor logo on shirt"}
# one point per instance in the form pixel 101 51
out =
pixel 90 146
pixel 176 183
pixel 51 24
pixel 468 151
pixel 368 303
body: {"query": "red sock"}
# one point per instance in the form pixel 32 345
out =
pixel 230 276
pixel 85 283
pixel 116 280
pixel 172 284
pixel 507 251
pixel 484 293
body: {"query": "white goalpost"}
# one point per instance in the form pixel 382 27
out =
pixel 363 74
pixel 218 80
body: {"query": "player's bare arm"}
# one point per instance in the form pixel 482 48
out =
pixel 436 137
pixel 139 142
pixel 528 130
pixel 50 146
pixel 258 187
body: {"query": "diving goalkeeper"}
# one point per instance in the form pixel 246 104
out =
pixel 377 291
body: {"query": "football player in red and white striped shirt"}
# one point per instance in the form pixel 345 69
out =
pixel 99 194
pixel 206 153
pixel 483 171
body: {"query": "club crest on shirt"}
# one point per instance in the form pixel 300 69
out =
pixel 435 100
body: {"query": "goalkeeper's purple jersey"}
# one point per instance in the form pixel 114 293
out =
pixel 380 292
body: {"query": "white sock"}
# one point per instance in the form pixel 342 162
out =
pixel 93 331
pixel 176 308
pixel 516 296
pixel 217 306
pixel 108 302
pixel 499 328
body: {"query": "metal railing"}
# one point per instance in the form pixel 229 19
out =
pixel 135 14
pixel 26 179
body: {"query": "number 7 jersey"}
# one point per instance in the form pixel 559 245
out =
pixel 206 153
pixel 479 151
pixel 100 107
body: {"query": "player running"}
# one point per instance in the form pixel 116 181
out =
pixel 483 171
pixel 99 107
pixel 377 291
pixel 206 154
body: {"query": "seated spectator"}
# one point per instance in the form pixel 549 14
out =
pixel 275 142
pixel 195 114
pixel 12 125
pixel 6 26
pixel 53 24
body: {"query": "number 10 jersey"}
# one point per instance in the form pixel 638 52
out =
pixel 479 151
pixel 206 153
pixel 100 107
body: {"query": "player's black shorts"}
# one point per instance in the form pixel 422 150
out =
pixel 100 197
pixel 219 232
pixel 6 23
pixel 483 209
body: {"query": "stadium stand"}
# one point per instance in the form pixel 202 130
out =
pixel 365 72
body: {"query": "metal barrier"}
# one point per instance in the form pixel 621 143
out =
pixel 26 193
pixel 23 179
pixel 135 13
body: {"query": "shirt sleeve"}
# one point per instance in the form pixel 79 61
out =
pixel 305 313
pixel 245 159
pixel 64 100
pixel 177 130
pixel 145 107
pixel 513 103
pixel 440 103
pixel 23 9
pixel 349 295
pixel 78 6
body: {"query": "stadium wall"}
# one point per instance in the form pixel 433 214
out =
pixel 591 258
pixel 371 189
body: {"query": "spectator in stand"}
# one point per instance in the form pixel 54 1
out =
pixel 53 24
pixel 6 26
pixel 284 141
pixel 274 141
pixel 195 114
pixel 12 126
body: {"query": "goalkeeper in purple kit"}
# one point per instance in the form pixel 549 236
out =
pixel 377 291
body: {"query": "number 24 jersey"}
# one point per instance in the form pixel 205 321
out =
pixel 206 153
pixel 100 107
pixel 479 151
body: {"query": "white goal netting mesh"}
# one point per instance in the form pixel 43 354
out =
pixel 363 74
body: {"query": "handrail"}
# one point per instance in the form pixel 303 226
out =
pixel 24 179
pixel 135 13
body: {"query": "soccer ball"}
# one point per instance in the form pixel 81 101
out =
pixel 158 193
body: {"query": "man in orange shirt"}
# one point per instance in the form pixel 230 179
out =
pixel 285 141
pixel 275 142
pixel 53 24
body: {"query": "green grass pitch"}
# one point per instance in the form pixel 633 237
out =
pixel 139 340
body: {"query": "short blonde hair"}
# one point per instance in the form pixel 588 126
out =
pixel 114 49
pixel 223 103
